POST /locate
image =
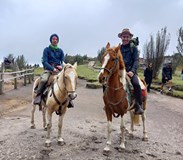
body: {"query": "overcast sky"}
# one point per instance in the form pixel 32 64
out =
pixel 84 26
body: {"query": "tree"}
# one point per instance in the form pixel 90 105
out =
pixel 177 59
pixel 21 62
pixel 154 51
pixel 180 41
pixel 100 54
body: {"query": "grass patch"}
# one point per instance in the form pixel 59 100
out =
pixel 82 70
pixel 38 71
pixel 86 73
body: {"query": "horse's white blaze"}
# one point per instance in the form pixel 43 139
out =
pixel 72 78
pixel 123 78
pixel 106 59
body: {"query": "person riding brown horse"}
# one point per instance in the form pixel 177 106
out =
pixel 131 60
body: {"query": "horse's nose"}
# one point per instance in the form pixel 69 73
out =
pixel 102 79
pixel 73 95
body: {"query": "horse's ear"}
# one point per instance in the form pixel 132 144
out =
pixel 118 47
pixel 75 65
pixel 108 45
pixel 64 63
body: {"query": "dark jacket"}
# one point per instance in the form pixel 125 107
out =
pixel 52 57
pixel 131 57
pixel 148 73
pixel 167 73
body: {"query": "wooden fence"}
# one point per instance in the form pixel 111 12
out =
pixel 27 74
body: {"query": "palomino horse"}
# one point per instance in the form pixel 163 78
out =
pixel 115 98
pixel 62 90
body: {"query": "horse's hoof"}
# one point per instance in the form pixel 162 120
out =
pixel 60 142
pixel 122 146
pixel 33 127
pixel 45 128
pixel 145 139
pixel 106 152
pixel 48 143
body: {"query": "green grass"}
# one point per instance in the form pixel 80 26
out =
pixel 86 73
pixel 83 72
pixel 38 71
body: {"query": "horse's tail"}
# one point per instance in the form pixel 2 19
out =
pixel 136 119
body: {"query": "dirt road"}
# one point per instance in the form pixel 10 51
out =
pixel 85 131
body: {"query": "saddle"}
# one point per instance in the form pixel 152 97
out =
pixel 130 89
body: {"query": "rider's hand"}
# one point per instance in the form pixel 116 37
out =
pixel 59 67
pixel 55 70
pixel 130 74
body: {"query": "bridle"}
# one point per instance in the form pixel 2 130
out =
pixel 64 80
pixel 61 91
pixel 111 70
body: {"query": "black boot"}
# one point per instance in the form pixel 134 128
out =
pixel 71 104
pixel 37 100
pixel 40 89
pixel 138 109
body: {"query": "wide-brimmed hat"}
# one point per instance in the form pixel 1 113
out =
pixel 125 31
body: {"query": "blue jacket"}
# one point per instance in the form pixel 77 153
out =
pixel 52 58
pixel 131 57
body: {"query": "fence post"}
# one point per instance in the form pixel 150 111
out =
pixel 29 76
pixel 25 83
pixel 15 79
pixel 32 74
pixel 1 79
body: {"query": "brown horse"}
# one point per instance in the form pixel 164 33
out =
pixel 115 98
pixel 63 89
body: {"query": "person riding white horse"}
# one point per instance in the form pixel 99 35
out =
pixel 52 61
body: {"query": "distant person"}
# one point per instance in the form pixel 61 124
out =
pixel 52 61
pixel 148 73
pixel 182 73
pixel 167 76
pixel 131 59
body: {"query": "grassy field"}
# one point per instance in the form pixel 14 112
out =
pixel 91 76
pixel 83 72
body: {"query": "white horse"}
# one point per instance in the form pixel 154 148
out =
pixel 62 90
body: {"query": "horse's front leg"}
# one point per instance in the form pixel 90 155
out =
pixel 60 124
pixel 44 118
pixel 109 130
pixel 32 117
pixel 49 125
pixel 145 137
pixel 122 127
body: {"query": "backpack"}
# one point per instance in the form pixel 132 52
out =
pixel 134 42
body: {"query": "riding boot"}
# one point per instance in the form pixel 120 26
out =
pixel 138 109
pixel 37 100
pixel 71 104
